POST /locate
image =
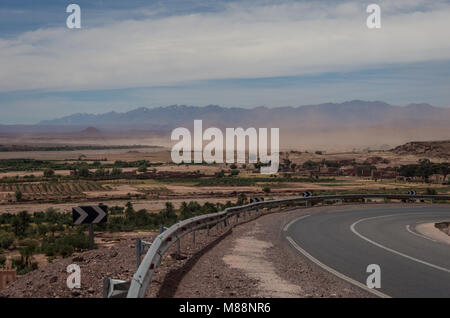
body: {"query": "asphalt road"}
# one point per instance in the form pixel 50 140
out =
pixel 346 242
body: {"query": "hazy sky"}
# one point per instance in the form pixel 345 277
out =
pixel 137 53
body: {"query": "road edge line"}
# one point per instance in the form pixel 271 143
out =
pixel 334 272
pixel 408 228
pixel 353 229
pixel 286 227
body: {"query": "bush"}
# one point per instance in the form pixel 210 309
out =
pixel 24 264
pixel 49 250
pixel 6 239
pixel 66 250
pixel 220 174
pixel 18 263
pixel 242 199
pixel 2 261
pixel 27 250
pixel 65 245
pixel 100 172
pixel 116 210
pixel 20 223
pixel 116 172
pixel 48 173
pixel 142 168
pixel 42 229
pixel 83 172
pixel 18 195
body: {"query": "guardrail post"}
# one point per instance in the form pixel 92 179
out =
pixel 140 248
pixel 138 251
pixel 178 247
pixel 114 288
pixel 162 229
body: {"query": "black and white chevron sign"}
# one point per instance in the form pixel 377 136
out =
pixel 92 214
pixel 253 200
pixel 307 194
pixel 412 192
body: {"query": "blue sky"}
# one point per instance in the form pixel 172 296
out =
pixel 130 54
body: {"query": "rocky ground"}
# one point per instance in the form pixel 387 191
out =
pixel 435 149
pixel 117 260
pixel 444 227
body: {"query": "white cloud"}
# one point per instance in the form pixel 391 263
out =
pixel 243 41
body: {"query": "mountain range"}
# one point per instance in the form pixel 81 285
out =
pixel 325 116
pixel 353 124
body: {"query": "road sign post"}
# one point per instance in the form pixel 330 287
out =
pixel 91 236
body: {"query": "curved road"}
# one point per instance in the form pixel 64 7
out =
pixel 346 242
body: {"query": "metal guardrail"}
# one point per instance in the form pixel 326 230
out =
pixel 141 280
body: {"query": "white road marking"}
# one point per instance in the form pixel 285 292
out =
pixel 295 220
pixel 408 228
pixel 334 272
pixel 352 227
